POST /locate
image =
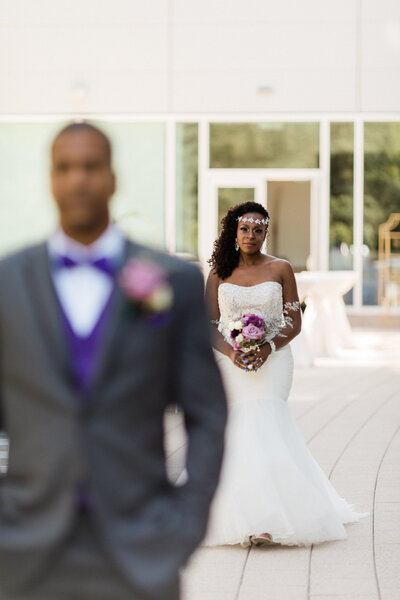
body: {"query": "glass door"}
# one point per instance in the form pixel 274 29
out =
pixel 222 194
pixel 289 206
pixel 229 197
pixel 292 202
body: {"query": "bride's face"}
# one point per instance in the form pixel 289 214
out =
pixel 251 236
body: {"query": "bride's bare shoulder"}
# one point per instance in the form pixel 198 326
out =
pixel 280 267
pixel 275 262
pixel 213 278
pixel 213 281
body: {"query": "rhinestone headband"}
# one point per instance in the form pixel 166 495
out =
pixel 251 220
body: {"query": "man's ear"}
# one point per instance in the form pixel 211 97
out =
pixel 113 182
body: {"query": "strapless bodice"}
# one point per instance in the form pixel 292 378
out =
pixel 264 300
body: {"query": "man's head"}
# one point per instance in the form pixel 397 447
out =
pixel 82 178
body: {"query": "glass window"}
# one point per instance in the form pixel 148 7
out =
pixel 341 202
pixel 139 163
pixel 27 212
pixel 264 145
pixel 186 188
pixel 381 199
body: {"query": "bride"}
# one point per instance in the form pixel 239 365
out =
pixel 271 489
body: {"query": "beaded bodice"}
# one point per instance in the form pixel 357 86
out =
pixel 264 300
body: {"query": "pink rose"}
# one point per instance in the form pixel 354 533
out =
pixel 251 332
pixel 140 278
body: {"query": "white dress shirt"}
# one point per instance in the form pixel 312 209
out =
pixel 84 290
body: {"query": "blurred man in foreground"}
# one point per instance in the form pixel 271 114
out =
pixel 97 337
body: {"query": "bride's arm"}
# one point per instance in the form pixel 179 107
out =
pixel 291 313
pixel 239 360
pixel 213 310
pixel 291 307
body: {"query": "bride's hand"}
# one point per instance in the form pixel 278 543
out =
pixel 248 361
pixel 263 353
pixel 256 359
pixel 240 359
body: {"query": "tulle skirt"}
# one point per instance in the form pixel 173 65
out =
pixel 270 483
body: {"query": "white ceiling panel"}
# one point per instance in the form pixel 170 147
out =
pixel 226 11
pixel 78 12
pixel 380 10
pixel 288 46
pixel 238 91
pixel 381 45
pixel 43 48
pixel 50 92
pixel 380 90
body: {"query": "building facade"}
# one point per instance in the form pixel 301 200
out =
pixel 293 104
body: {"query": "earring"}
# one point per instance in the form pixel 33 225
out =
pixel 236 245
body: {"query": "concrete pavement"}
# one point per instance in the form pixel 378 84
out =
pixel 348 409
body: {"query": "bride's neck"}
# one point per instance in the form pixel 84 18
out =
pixel 250 261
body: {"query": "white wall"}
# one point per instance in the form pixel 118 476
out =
pixel 199 56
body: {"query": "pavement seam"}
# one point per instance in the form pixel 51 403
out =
pixel 242 575
pixel 344 408
pixel 309 573
pixel 373 511
pixel 353 437
pixel 325 398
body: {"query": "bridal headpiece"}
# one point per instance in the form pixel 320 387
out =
pixel 251 220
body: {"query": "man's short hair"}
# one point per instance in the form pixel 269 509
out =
pixel 85 126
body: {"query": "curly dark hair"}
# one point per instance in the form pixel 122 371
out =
pixel 224 258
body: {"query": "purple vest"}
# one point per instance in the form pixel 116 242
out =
pixel 84 353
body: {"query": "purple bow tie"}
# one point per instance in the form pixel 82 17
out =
pixel 104 264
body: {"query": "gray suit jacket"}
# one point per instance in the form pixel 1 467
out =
pixel 115 441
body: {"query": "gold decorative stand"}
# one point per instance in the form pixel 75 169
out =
pixel 389 273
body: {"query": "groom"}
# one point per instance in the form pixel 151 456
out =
pixel 98 336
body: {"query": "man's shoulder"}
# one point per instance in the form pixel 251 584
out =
pixel 20 257
pixel 175 267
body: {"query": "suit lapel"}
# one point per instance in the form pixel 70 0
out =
pixel 46 307
pixel 114 323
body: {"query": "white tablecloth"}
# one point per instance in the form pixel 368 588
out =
pixel 326 329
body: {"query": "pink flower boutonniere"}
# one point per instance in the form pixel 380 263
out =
pixel 146 285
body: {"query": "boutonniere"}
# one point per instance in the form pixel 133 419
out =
pixel 146 285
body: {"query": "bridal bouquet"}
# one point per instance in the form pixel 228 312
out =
pixel 248 332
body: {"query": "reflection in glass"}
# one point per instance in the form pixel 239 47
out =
pixel 341 199
pixel 264 145
pixel 381 199
pixel 229 197
pixel 186 188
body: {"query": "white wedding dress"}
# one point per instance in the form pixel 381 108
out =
pixel 269 482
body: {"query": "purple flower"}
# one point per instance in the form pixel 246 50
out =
pixel 252 332
pixel 140 278
pixel 254 320
pixel 145 283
